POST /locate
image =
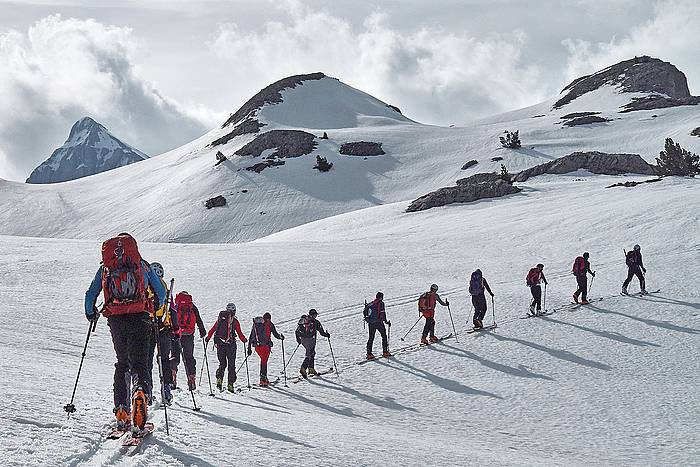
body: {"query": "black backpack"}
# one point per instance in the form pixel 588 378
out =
pixel 305 327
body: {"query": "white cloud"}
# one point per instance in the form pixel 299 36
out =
pixel 435 76
pixel 671 35
pixel 63 69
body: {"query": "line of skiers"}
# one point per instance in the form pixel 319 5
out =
pixel 143 318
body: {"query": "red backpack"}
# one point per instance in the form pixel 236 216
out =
pixel 579 266
pixel 533 277
pixel 123 274
pixel 186 318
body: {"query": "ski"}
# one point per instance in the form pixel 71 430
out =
pixel 485 328
pixel 297 379
pixel 639 294
pixel 406 349
pixel 136 439
pixel 117 433
pixel 271 383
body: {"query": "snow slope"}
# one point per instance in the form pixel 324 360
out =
pixel 170 190
pixel 612 383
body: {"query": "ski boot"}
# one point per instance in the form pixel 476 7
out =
pixel 386 354
pixel 584 302
pixel 370 356
pixel 167 396
pixel 433 339
pixel 191 380
pixel 139 410
pixel 123 418
pixel 644 292
pixel 575 298
pixel 220 384
pixel 624 290
pixel 264 382
pixel 312 372
pixel 532 311
pixel 302 371
pixel 230 388
pixel 424 341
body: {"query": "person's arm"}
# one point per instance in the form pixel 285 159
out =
pixel 544 279
pixel 486 286
pixel 200 323
pixel 237 327
pixel 212 330
pixel 321 331
pixel 439 300
pixel 273 330
pixel 92 293
pixel 641 263
pixel 250 340
pixel 155 283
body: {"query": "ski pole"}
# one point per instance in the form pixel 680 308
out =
pixel 388 337
pixel 247 373
pixel 544 300
pixel 201 374
pixel 590 286
pixel 69 407
pixel 493 310
pixel 284 363
pixel 453 323
pixel 364 320
pixel 290 358
pixel 156 327
pixel 195 408
pixel 335 365
pixel 414 325
pixel 206 361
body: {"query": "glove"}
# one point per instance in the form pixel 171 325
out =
pixel 388 323
pixel 447 302
pixel 250 351
pixel 202 334
pixel 328 335
pixel 644 269
pixel 493 295
pixel 206 340
pixel 92 317
pixel 298 341
pixel 593 274
pixel 281 336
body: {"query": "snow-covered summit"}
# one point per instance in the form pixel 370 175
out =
pixel 89 149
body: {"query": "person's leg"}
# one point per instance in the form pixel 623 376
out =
pixel 582 286
pixel 306 363
pixel 223 361
pixel 630 274
pixel 188 354
pixel 533 292
pixel 176 352
pixel 231 354
pixel 121 367
pixel 642 281
pixel 475 305
pixel 481 307
pixel 426 328
pixel 139 344
pixel 537 293
pixel 370 341
pixel 165 344
pixel 385 342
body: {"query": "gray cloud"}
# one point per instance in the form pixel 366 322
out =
pixel 63 69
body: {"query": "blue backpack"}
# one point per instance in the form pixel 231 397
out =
pixel 476 283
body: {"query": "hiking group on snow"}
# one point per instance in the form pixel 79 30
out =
pixel 145 322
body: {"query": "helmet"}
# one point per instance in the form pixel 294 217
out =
pixel 157 268
pixel 231 307
pixel 267 316
pixel 379 295
pixel 637 247
pixel 433 288
pixel 540 265
pixel 478 272
pixel 586 254
pixel 313 312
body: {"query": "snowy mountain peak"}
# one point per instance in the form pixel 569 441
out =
pixel 310 101
pixel 89 149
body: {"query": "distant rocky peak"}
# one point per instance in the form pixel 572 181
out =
pixel 639 74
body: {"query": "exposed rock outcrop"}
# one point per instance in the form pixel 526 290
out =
pixel 578 114
pixel 640 74
pixel 260 166
pixel 215 202
pixel 469 164
pixel 249 125
pixel 587 120
pixel 695 132
pixel 658 102
pixel 630 184
pixel 476 187
pixel 594 161
pixel 362 148
pixel 286 143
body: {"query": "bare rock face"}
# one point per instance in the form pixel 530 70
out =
pixel 215 202
pixel 260 166
pixel 469 164
pixel 249 125
pixel 695 132
pixel 286 143
pixel 640 74
pixel 362 148
pixel 476 187
pixel 594 161
pixel 586 120
pixel 658 102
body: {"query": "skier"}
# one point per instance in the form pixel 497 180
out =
pixel 426 306
pixel 225 342
pixel 261 340
pixel 306 336
pixel 534 277
pixel 166 321
pixel 183 344
pixel 375 315
pixel 477 286
pixel 581 269
pixel 124 278
pixel 635 267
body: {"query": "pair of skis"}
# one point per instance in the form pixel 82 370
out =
pixel 298 379
pixel 132 439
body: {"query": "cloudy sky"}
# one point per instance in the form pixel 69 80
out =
pixel 159 73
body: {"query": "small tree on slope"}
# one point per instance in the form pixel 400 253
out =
pixel 674 160
pixel 511 140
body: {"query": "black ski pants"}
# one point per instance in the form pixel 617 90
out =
pixel 309 344
pixel 479 302
pixel 226 353
pixel 373 328
pixel 165 339
pixel 429 327
pixel 185 347
pixel 131 340
pixel 635 271
pixel 582 281
pixel 536 291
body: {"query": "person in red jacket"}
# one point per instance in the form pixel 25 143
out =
pixel 534 277
pixel 426 306
pixel 225 342
pixel 261 340
pixel 187 317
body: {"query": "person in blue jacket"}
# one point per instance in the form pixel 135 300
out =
pixel 124 278
pixel 375 315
